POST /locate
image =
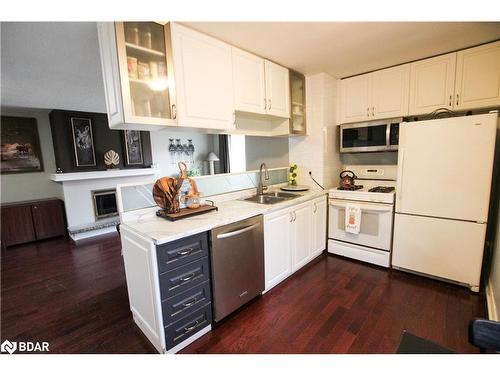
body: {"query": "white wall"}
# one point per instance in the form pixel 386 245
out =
pixel 35 185
pixel 318 152
pixel 52 65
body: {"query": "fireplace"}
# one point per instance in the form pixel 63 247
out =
pixel 104 203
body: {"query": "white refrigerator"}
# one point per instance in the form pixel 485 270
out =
pixel 445 169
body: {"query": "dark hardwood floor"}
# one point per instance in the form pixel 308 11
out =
pixel 75 298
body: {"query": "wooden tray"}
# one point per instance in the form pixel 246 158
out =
pixel 186 212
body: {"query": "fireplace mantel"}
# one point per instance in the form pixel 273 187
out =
pixel 62 177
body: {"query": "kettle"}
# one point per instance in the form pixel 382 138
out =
pixel 347 178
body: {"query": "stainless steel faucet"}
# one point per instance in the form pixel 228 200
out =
pixel 261 187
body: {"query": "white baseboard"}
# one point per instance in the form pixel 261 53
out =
pixel 94 233
pixel 490 302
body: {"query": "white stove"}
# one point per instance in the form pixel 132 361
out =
pixel 374 198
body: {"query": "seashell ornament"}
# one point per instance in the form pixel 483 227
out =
pixel 111 159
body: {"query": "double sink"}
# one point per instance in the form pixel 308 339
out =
pixel 272 197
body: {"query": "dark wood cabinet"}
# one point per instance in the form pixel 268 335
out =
pixel 48 219
pixel 32 220
pixel 17 225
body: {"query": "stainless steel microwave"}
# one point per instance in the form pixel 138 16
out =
pixel 381 135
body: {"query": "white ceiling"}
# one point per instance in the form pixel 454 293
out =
pixel 346 48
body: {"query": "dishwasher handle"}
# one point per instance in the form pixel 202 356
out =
pixel 237 232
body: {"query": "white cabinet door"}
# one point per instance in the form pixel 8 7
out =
pixel 277 90
pixel 249 82
pixel 355 98
pixel 277 251
pixel 204 80
pixel 319 208
pixel 301 235
pixel 390 90
pixel 478 77
pixel 111 75
pixel 432 84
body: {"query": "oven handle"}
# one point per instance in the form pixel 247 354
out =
pixel 364 207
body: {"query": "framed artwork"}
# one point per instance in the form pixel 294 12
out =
pixel 20 148
pixel 133 147
pixel 83 142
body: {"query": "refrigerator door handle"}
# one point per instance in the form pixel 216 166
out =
pixel 399 185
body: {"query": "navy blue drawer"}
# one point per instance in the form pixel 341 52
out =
pixel 188 326
pixel 183 278
pixel 175 254
pixel 184 303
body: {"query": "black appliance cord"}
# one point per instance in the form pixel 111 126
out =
pixel 317 183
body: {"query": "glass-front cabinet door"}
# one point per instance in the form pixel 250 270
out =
pixel 298 101
pixel 145 64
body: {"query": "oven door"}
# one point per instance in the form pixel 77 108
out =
pixel 376 224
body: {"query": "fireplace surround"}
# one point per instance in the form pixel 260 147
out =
pixel 104 203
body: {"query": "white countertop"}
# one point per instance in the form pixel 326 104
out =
pixel 145 222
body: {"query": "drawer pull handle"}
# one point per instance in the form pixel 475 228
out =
pixel 187 278
pixel 191 327
pixel 185 252
pixel 190 303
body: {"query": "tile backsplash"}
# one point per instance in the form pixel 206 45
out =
pixel 140 196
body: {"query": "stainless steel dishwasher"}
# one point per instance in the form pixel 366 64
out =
pixel 237 264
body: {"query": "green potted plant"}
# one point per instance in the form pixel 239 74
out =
pixel 292 175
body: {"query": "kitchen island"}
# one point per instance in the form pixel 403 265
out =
pixel 167 264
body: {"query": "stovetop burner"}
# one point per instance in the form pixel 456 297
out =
pixel 382 189
pixel 350 188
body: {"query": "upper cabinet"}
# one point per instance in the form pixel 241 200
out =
pixel 277 89
pixel 464 80
pixel 377 95
pixel 432 84
pixel 355 98
pixel 260 86
pixel 390 90
pixel 158 75
pixel 137 69
pixel 204 80
pixel 298 104
pixel 249 82
pixel 162 75
pixel 477 82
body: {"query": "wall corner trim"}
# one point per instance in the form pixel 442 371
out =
pixel 490 302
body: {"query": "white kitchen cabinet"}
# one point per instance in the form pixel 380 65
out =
pixel 477 83
pixel 278 253
pixel 137 71
pixel 355 98
pixel 301 235
pixel 163 75
pixel 260 86
pixel 432 84
pixel 319 224
pixel 277 89
pixel 292 238
pixel 389 92
pixel 249 82
pixel 204 80
pixel 377 95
